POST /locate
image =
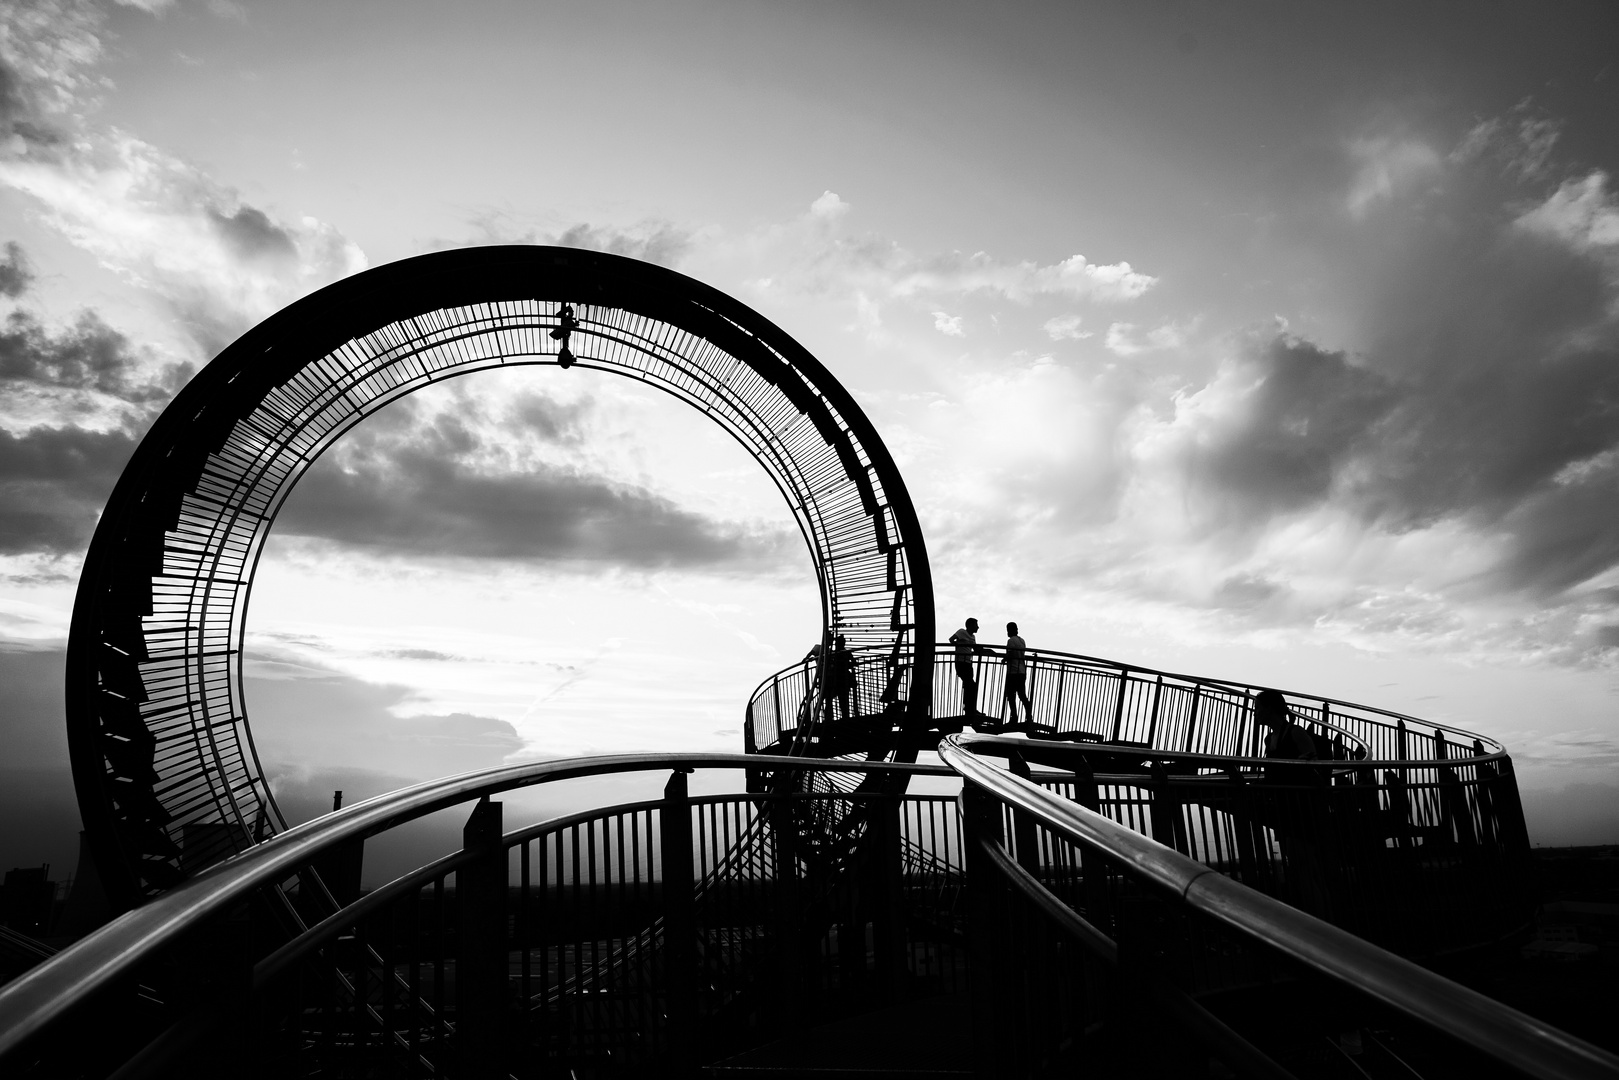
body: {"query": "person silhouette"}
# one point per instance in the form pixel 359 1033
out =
pixel 1016 676
pixel 1285 739
pixel 1295 804
pixel 966 642
pixel 840 678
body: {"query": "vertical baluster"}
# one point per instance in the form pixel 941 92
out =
pixel 680 929
pixel 480 967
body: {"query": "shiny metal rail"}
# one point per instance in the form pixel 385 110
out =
pixel 71 979
pixel 1493 1029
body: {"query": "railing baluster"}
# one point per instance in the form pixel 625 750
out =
pixel 480 963
pixel 680 927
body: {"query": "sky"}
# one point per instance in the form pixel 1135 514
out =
pixel 1272 342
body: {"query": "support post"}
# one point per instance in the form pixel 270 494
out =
pixel 679 924
pixel 480 960
pixel 981 820
pixel 789 932
pixel 1168 826
pixel 886 896
pixel 1024 834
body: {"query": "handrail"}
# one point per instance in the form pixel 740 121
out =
pixel 1384 718
pixel 1037 750
pixel 1504 1033
pixel 32 1001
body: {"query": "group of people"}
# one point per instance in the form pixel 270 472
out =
pixel 965 641
pixel 839 673
pixel 1284 739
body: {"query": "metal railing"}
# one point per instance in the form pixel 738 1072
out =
pixel 614 939
pixel 1085 698
pixel 1125 929
pixel 667 933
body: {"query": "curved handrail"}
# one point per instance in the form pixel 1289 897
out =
pixel 32 1001
pixel 1314 709
pixel 1040 750
pixel 1498 1030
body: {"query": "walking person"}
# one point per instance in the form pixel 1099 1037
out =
pixel 1016 677
pixel 966 642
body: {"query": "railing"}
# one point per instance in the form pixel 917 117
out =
pixel 1085 698
pixel 1421 841
pixel 603 943
pixel 667 933
pixel 1087 925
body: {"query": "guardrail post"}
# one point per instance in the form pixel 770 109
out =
pixel 480 960
pixel 981 820
pixel 789 934
pixel 1024 835
pixel 679 923
pixel 886 893
pixel 1118 709
pixel 1168 826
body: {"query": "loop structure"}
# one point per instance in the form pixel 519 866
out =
pixel 167 776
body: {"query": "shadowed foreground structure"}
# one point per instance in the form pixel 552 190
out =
pixel 1121 886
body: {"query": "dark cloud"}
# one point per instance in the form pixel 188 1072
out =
pixel 556 422
pixel 53 484
pixel 89 355
pixel 1296 414
pixel 1486 392
pixel 22 117
pixel 15 274
pixel 250 235
pixel 55 480
pixel 424 489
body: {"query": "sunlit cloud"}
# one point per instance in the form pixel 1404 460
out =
pixel 1065 328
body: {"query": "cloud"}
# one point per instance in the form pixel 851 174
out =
pixel 828 206
pixel 650 241
pixel 15 274
pixel 307 716
pixel 445 486
pixel 818 255
pixel 1276 427
pixel 1519 143
pixel 88 355
pixel 1075 278
pixel 1065 328
pixel 160 222
pixel 656 242
pixel 55 476
pixel 53 484
pixel 1387 166
pixel 1124 339
pixel 948 325
pixel 1581 212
